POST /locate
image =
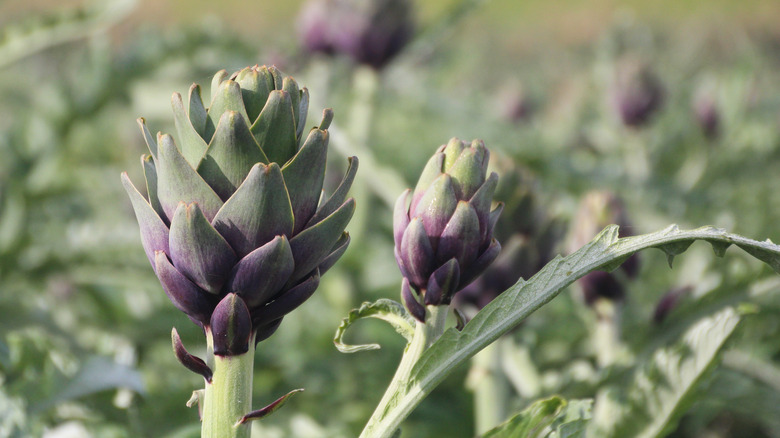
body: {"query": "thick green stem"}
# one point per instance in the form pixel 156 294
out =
pixel 381 179
pixel 490 388
pixel 606 334
pixel 365 86
pixel 425 334
pixel 437 317
pixel 229 397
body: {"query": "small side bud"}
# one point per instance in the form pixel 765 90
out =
pixel 231 326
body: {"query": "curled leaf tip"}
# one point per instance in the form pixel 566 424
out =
pixel 384 309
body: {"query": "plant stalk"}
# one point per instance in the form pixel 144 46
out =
pixel 606 336
pixel 490 388
pixel 424 335
pixel 229 396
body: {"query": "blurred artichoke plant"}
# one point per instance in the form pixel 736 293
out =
pixel 707 114
pixel 234 224
pixel 637 92
pixel 444 228
pixel 598 209
pixel 371 32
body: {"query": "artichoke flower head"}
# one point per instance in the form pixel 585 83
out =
pixel 444 228
pixel 234 224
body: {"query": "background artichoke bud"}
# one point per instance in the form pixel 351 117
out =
pixel 638 93
pixel 707 114
pixel 233 224
pixel 370 32
pixel 444 234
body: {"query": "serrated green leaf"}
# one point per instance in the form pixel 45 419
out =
pixel 572 422
pixel 384 309
pixel 659 390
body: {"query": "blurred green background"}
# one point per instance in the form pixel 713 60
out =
pixel 84 325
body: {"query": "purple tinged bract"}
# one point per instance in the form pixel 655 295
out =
pixel 234 223
pixel 443 229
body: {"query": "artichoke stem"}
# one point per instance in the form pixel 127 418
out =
pixel 606 333
pixel 490 388
pixel 365 86
pixel 380 425
pixel 229 396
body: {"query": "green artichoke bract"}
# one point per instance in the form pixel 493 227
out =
pixel 234 224
pixel 444 235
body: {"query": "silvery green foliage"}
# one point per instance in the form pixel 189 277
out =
pixel 550 418
pixel 606 252
pixel 661 386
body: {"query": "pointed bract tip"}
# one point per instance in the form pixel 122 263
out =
pixel 231 326
pixel 192 363
pixel 410 301
pixel 327 117
pixel 268 410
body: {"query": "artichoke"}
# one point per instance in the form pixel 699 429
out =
pixel 638 94
pixel 707 114
pixel 234 224
pixel 444 229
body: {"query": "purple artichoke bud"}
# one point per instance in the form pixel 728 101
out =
pixel 315 26
pixel 234 211
pixel 444 229
pixel 600 284
pixel 668 302
pixel 705 109
pixel 516 106
pixel 637 92
pixel 597 210
pixel 371 32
